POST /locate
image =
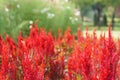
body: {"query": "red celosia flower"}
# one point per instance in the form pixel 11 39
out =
pixel 0 45
pixel 31 71
pixel 8 68
pixel 42 57
pixel 68 37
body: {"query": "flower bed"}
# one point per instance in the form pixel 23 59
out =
pixel 42 56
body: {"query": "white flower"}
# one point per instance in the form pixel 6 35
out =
pixel 6 9
pixel 45 10
pixel 77 12
pixel 50 15
pixel 18 6
pixel 31 22
pixel 68 7
pixel 66 0
pixel 70 18
pixel 76 19
pixel 73 20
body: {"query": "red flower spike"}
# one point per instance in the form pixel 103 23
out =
pixel 0 45
pixel 40 56
pixel 68 37
pixel 80 36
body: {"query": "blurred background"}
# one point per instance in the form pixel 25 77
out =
pixel 16 15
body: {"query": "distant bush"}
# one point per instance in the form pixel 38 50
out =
pixel 19 14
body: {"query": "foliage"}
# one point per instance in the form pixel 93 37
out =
pixel 17 15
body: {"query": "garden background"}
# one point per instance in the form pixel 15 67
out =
pixel 16 15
